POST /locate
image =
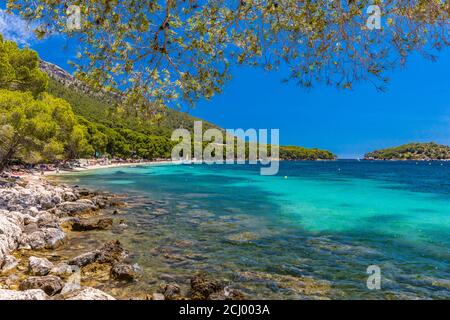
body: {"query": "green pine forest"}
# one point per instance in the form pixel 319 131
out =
pixel 412 151
pixel 44 120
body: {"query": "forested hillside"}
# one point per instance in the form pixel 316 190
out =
pixel 412 151
pixel 47 115
pixel 100 108
pixel 300 153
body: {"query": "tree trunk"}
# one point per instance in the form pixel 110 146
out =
pixel 5 160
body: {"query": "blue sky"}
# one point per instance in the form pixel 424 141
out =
pixel 416 106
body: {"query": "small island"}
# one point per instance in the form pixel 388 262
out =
pixel 412 151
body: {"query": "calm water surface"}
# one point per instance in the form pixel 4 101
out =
pixel 270 235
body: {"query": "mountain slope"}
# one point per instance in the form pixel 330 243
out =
pixel 99 107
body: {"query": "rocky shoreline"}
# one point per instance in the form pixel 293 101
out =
pixel 38 217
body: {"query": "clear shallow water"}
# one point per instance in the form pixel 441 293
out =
pixel 326 221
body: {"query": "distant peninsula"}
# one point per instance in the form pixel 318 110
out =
pixel 412 151
pixel 301 153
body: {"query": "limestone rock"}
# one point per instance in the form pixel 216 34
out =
pixel 54 237
pixel 46 238
pixel 63 270
pixel 85 192
pixel 227 294
pixel 78 207
pixel 116 203
pixel 39 266
pixel 158 296
pixel 89 294
pixel 84 259
pixel 10 231
pixel 34 294
pixel 69 196
pixel 50 284
pixel 70 287
pixel 34 240
pixel 9 263
pixel 124 272
pixel 243 237
pixel 29 219
pixel 101 224
pixel 172 291
pixel 111 252
pixel 202 287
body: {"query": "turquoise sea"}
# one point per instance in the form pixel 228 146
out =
pixel 309 232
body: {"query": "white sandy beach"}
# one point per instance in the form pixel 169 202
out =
pixel 112 165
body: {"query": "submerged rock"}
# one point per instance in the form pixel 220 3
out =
pixel 63 270
pixel 202 287
pixel 82 192
pixel 124 272
pixel 101 201
pixel 81 206
pixel 73 282
pixel 122 224
pixel 11 282
pixel 50 284
pixel 326 244
pixel 69 196
pixel 84 259
pixel 101 224
pixel 34 294
pixel 243 237
pixel 111 252
pixel 39 266
pixel 67 222
pixel 227 294
pixel 172 291
pixel 167 277
pixel 303 287
pixel 116 203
